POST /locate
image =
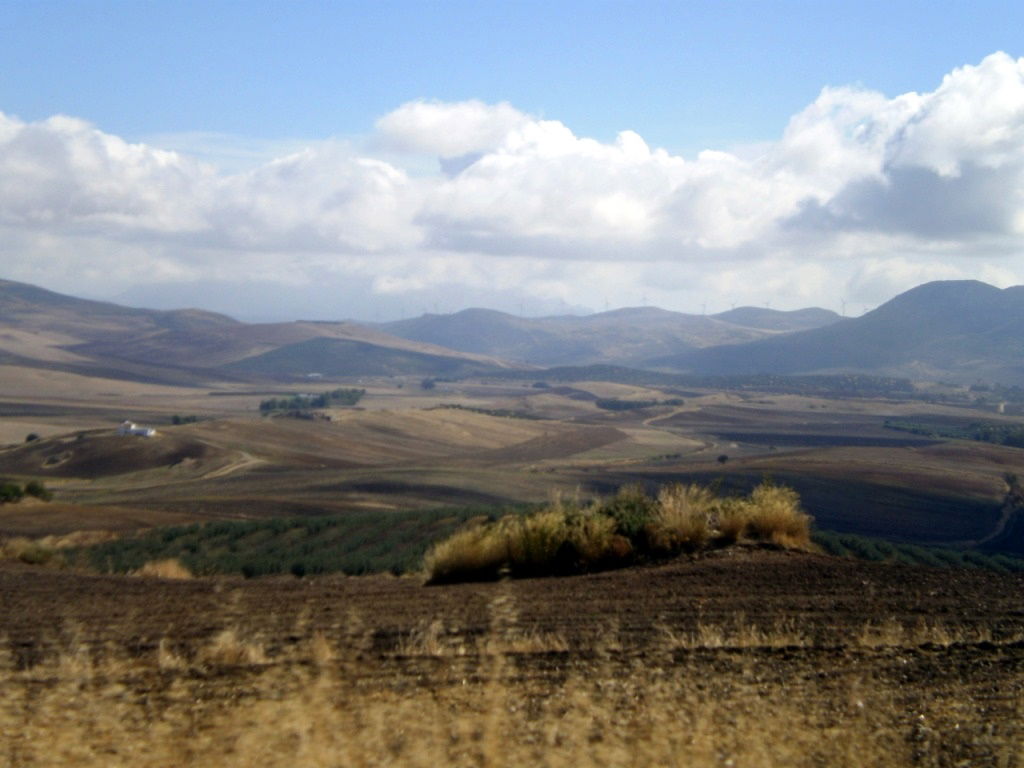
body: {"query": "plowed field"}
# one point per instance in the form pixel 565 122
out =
pixel 755 657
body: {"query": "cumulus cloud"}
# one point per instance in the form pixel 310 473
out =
pixel 861 195
pixel 449 130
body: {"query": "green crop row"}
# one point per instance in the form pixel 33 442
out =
pixel 881 550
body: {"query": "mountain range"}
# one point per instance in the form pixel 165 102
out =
pixel 628 336
pixel 957 330
pixel 953 330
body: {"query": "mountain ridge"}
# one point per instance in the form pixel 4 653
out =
pixel 961 330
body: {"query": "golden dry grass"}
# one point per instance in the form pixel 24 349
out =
pixel 326 702
pixel 568 536
pixel 776 516
pixel 683 516
pixel 169 568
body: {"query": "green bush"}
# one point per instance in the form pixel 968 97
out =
pixel 10 493
pixel 631 509
pixel 38 490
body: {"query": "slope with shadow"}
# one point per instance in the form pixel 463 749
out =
pixel 623 336
pixel 104 454
pixel 340 357
pixel 43 329
pixel 958 330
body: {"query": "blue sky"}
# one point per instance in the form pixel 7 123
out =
pixel 686 76
pixel 242 85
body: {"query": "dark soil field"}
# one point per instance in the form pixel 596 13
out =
pixel 748 658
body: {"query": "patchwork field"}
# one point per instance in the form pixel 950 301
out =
pixel 480 442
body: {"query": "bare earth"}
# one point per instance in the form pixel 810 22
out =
pixel 759 658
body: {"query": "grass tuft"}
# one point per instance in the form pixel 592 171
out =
pixel 170 568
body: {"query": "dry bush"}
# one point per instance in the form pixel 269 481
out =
pixel 477 552
pixel 732 519
pixel 593 538
pixel 534 541
pixel 682 518
pixel 171 568
pixel 775 515
pixel 565 537
pixel 28 551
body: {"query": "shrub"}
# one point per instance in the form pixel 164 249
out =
pixel 682 518
pixel 472 554
pixel 38 490
pixel 732 519
pixel 10 493
pixel 775 515
pixel 31 437
pixel 569 538
pixel 631 508
pixel 594 540
pixel 535 542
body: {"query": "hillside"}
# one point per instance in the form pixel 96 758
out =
pixel 623 336
pixel 955 330
pixel 43 329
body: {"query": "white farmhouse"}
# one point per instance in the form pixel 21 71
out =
pixel 131 428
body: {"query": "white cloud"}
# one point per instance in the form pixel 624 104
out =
pixel 862 194
pixel 449 130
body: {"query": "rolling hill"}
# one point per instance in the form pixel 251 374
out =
pixel 961 330
pixel 44 329
pixel 623 336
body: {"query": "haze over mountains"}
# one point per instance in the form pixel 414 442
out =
pixel 956 330
pixel 623 336
pixel 43 329
pixel 959 330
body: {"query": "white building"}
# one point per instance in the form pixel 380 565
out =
pixel 131 428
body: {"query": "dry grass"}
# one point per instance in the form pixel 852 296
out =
pixel 228 649
pixel 473 552
pixel 171 568
pixel 683 517
pixel 775 515
pixel 327 703
pixel 570 537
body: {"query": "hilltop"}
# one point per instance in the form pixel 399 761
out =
pixel 960 330
pixel 626 336
pixel 44 329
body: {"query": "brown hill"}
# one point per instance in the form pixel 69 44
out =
pixel 40 328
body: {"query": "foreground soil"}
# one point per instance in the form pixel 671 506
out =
pixel 747 658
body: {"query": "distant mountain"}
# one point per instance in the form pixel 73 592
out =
pixel 622 336
pixel 773 320
pixel 957 330
pixel 44 329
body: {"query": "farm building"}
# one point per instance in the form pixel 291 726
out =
pixel 131 428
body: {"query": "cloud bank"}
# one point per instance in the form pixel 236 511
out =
pixel 862 195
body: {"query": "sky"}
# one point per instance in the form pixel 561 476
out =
pixel 377 160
